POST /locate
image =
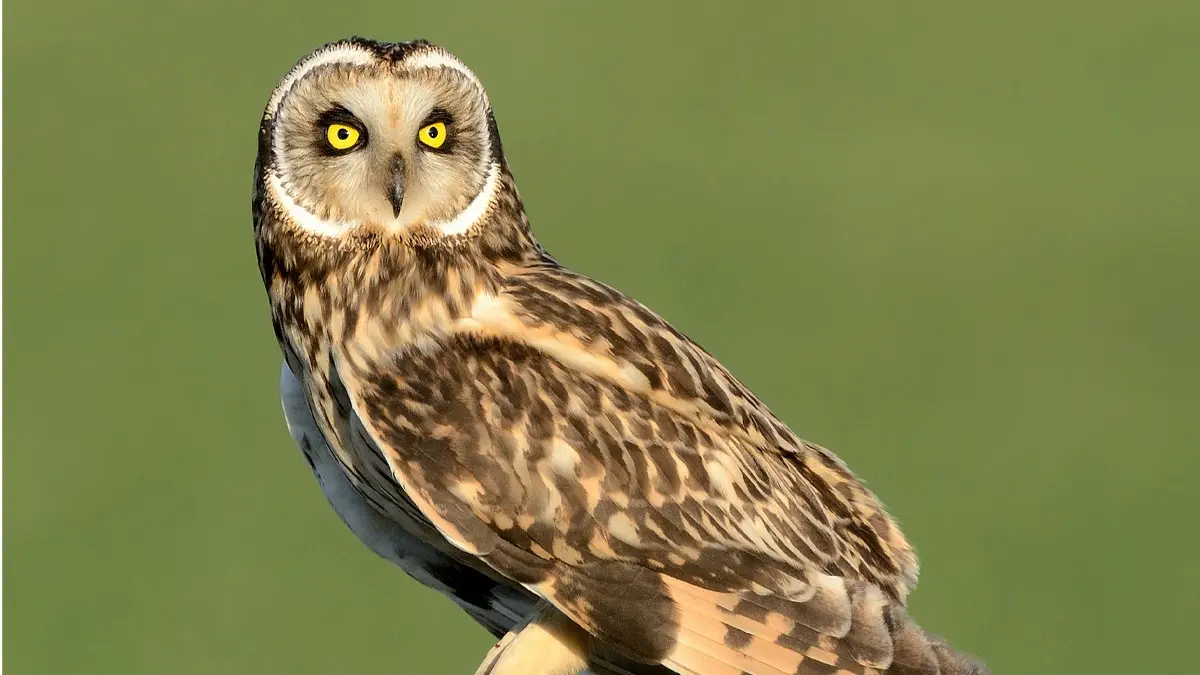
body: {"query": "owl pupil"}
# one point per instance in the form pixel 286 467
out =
pixel 343 134
pixel 433 132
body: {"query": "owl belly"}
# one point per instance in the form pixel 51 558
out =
pixel 494 605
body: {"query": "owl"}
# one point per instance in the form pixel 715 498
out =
pixel 587 482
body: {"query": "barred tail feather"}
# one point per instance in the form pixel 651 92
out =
pixel 844 628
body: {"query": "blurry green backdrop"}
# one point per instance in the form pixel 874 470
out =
pixel 956 242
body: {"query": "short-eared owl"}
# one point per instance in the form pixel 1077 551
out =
pixel 587 482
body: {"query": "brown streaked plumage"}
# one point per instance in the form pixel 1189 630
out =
pixel 603 488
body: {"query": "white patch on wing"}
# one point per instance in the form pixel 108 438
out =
pixel 487 308
pixel 466 491
pixel 550 508
pixel 622 528
pixel 720 479
pixel 563 458
pixel 722 474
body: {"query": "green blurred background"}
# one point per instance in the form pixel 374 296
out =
pixel 956 242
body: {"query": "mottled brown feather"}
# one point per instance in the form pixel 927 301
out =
pixel 562 435
pixel 552 441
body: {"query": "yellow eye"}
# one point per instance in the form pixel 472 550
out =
pixel 433 135
pixel 342 136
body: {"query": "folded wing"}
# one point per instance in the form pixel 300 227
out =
pixel 585 450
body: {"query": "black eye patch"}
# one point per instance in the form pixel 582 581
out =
pixel 338 114
pixel 438 115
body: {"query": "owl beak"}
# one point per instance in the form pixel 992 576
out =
pixel 396 188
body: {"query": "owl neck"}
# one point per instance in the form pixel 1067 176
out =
pixel 377 294
pixel 504 236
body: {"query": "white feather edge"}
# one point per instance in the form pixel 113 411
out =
pixel 473 214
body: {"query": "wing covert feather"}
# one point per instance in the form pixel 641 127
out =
pixel 539 437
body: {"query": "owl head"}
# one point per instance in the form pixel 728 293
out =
pixel 363 139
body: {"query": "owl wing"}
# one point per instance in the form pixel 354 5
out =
pixel 577 444
pixel 493 604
